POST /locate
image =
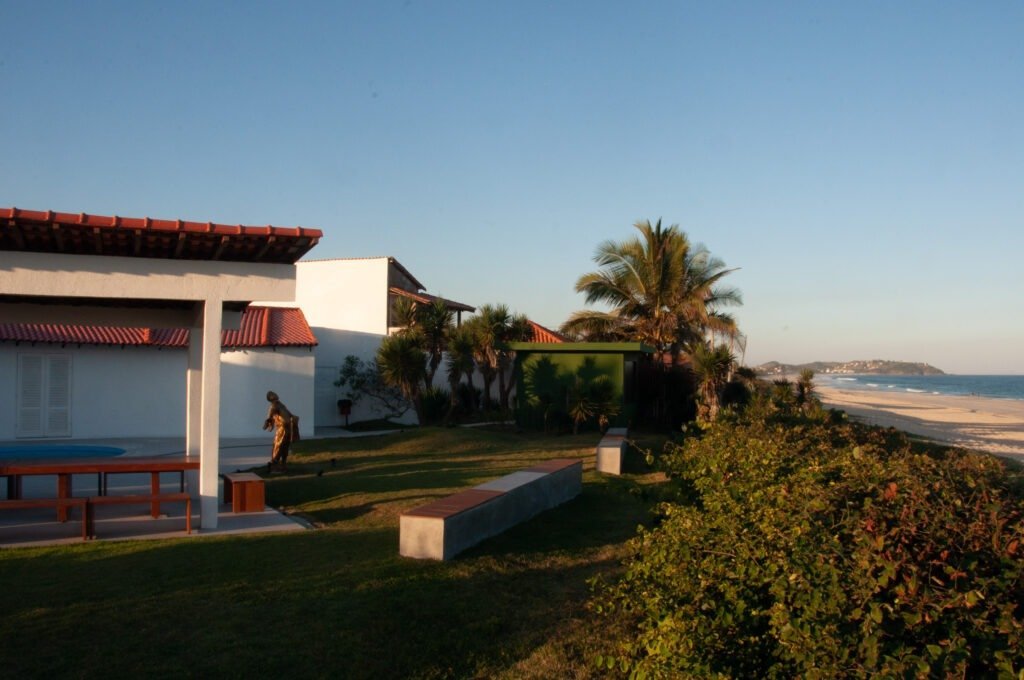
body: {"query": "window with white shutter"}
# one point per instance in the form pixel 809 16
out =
pixel 44 395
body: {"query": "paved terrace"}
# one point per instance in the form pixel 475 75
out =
pixel 38 527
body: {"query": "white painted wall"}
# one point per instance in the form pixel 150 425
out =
pixel 344 294
pixel 140 391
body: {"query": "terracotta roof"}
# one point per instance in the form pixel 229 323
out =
pixel 541 334
pixel 260 327
pixel 82 234
pixel 425 299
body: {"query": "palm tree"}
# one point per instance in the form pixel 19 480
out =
pixel 427 325
pixel 805 388
pixel 712 367
pixel 434 320
pixel 402 364
pixel 460 362
pixel 517 329
pixel 663 291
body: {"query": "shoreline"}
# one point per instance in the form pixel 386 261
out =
pixel 981 423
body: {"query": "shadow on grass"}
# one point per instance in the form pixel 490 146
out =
pixel 334 602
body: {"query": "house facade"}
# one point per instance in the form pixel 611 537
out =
pixel 92 382
pixel 348 304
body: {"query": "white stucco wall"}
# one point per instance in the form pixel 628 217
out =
pixel 247 375
pixel 140 391
pixel 344 294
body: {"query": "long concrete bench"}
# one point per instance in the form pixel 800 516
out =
pixel 444 528
pixel 611 450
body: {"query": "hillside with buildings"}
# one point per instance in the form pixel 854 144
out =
pixel 870 367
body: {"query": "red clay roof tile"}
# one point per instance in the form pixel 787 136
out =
pixel 541 334
pixel 260 327
pixel 55 232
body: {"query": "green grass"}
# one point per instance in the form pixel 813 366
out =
pixel 338 601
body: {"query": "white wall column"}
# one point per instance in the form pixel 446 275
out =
pixel 209 420
pixel 193 395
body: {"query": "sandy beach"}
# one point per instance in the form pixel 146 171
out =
pixel 993 425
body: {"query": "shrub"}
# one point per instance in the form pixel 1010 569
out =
pixel 818 549
pixel 435 401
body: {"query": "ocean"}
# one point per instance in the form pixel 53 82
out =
pixel 994 386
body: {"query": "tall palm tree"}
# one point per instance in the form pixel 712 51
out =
pixel 460 362
pixel 712 367
pixel 426 324
pixel 434 320
pixel 487 327
pixel 402 364
pixel 663 291
pixel 517 329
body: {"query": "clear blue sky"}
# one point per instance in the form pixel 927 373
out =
pixel 861 163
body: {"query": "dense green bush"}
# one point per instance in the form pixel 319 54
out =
pixel 817 549
pixel 436 401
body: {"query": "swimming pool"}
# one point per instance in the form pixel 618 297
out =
pixel 58 451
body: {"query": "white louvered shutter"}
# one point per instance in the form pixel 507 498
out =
pixel 30 395
pixel 58 397
pixel 44 395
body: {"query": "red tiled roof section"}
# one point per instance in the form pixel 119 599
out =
pixel 541 334
pixel 260 327
pixel 82 234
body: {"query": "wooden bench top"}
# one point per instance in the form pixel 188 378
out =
pixel 554 465
pixel 449 506
pixel 130 499
pixel 242 477
pixel 59 466
pixel 454 504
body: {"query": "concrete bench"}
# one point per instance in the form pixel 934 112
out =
pixel 59 503
pixel 137 499
pixel 611 450
pixel 244 491
pixel 442 529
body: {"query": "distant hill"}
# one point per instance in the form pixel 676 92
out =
pixel 872 367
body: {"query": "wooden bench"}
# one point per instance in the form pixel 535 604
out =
pixel 137 499
pixel 442 529
pixel 244 491
pixel 59 503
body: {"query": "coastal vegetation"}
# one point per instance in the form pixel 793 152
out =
pixel 801 545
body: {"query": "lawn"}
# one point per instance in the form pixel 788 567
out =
pixel 338 601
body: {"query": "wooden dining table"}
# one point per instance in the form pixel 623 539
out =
pixel 66 468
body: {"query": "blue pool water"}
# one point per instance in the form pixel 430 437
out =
pixel 58 451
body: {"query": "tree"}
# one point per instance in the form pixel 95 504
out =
pixel 663 291
pixel 460 362
pixel 402 364
pixel 435 322
pixel 364 382
pixel 493 328
pixel 805 388
pixel 712 368
pixel 517 329
pixel 428 325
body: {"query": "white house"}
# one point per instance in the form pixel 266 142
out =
pixel 348 303
pixel 109 271
pixel 90 382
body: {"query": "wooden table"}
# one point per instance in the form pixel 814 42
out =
pixel 65 468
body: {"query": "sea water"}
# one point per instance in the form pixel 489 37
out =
pixel 993 386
